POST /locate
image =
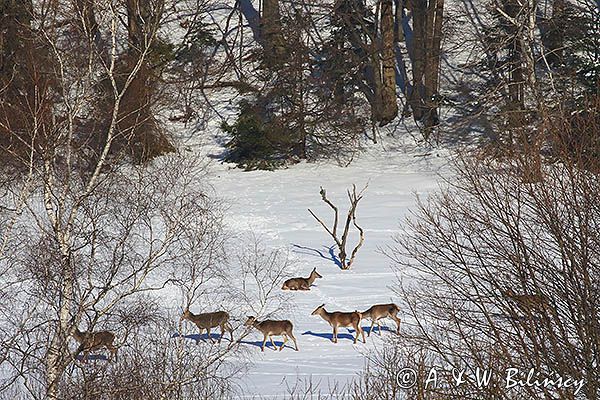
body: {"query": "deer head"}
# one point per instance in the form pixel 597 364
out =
pixel 318 309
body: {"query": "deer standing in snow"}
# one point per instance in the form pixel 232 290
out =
pixel 91 341
pixel 301 283
pixel 270 328
pixel 378 311
pixel 208 321
pixel 341 319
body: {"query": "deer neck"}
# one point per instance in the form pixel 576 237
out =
pixel 324 314
pixel 311 278
pixel 190 316
pixel 78 335
pixel 256 323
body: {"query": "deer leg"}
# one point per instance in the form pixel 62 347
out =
pixel 294 339
pixel 273 343
pixel 371 329
pixel 395 318
pixel 334 334
pixel 264 342
pixel 208 334
pixel 79 350
pixel 285 339
pixel 113 351
pixel 222 332
pixel 362 332
pixel 379 326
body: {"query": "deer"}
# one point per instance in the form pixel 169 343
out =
pixel 301 283
pixel 270 327
pixel 208 321
pixel 91 341
pixel 341 319
pixel 526 301
pixel 378 311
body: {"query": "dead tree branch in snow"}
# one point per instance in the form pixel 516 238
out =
pixel 341 242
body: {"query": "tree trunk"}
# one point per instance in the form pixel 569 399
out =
pixel 419 8
pixel 56 358
pixel 516 79
pixel 137 123
pixel 389 105
pixel 272 32
pixel 552 34
pixel 26 100
pixel 432 64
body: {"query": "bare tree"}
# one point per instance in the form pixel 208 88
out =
pixel 127 241
pixel 499 273
pixel 341 241
pixel 85 234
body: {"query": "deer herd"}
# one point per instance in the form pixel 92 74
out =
pixel 91 341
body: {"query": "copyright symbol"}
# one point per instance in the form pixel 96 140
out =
pixel 406 378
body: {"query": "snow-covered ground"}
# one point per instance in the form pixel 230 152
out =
pixel 273 206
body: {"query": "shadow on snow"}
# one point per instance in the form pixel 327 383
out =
pixel 278 343
pixel 203 337
pixel 351 333
pixel 331 256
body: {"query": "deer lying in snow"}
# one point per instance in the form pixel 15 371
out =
pixel 208 321
pixel 301 283
pixel 341 319
pixel 91 341
pixel 378 311
pixel 270 328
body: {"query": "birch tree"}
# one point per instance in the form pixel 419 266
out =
pixel 88 233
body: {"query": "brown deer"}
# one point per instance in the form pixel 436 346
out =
pixel 270 328
pixel 91 341
pixel 526 301
pixel 341 319
pixel 301 283
pixel 378 311
pixel 208 321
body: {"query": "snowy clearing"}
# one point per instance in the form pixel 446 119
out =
pixel 273 206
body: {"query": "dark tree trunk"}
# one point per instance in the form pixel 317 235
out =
pixel 516 75
pixel 271 32
pixel 27 95
pixel 552 30
pixel 432 63
pixel 419 9
pixel 389 104
pixel 136 121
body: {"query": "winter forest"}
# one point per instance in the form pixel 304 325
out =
pixel 304 200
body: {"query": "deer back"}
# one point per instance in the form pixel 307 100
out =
pixel 209 320
pixel 272 327
pixel 342 318
pixel 381 310
pixel 93 340
pixel 296 284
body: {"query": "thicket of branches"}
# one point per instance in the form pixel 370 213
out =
pixel 501 271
